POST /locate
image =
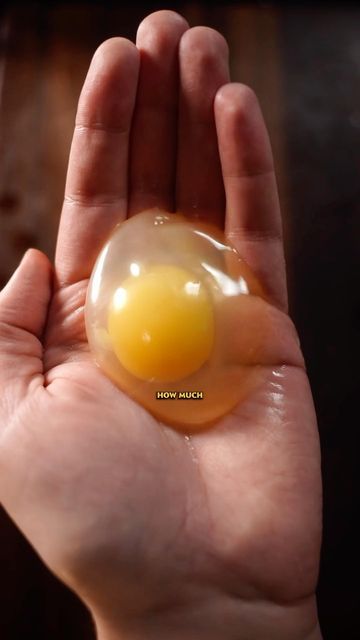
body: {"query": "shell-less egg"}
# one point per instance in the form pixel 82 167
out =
pixel 172 317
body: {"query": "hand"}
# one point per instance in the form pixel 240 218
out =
pixel 211 536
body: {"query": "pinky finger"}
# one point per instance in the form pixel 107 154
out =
pixel 253 220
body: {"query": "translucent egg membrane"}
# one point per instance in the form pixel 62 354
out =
pixel 174 318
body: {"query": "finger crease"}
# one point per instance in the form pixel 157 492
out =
pixel 101 126
pixel 250 174
pixel 255 236
pixel 92 201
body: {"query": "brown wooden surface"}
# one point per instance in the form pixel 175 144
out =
pixel 305 68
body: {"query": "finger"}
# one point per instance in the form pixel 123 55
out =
pixel 253 220
pixel 24 300
pixel 23 312
pixel 203 56
pixel 154 133
pixel 96 185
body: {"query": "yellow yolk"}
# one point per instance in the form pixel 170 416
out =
pixel 161 324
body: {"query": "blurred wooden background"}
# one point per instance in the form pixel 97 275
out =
pixel 304 64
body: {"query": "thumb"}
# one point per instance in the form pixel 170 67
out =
pixel 24 303
pixel 24 300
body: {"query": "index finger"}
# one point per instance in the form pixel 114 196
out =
pixel 96 189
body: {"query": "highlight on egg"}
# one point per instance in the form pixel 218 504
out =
pixel 172 317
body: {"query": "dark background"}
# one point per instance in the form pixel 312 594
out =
pixel 304 64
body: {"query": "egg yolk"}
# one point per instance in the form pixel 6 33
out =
pixel 161 324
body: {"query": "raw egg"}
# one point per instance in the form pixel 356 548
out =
pixel 173 317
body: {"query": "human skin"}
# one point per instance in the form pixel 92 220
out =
pixel 162 535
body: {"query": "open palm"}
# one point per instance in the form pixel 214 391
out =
pixel 212 535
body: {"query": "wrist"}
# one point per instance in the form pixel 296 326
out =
pixel 230 620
